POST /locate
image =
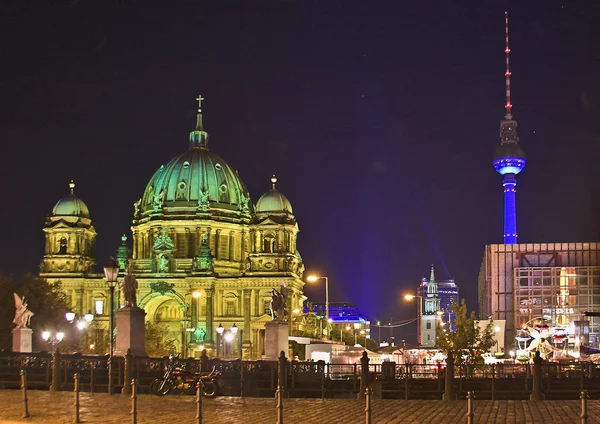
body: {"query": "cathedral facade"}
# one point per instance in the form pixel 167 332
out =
pixel 204 255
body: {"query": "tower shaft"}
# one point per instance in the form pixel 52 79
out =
pixel 510 209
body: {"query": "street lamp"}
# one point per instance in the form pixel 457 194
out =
pixel 81 324
pixel 111 271
pixel 228 335
pixel 54 340
pixel 315 278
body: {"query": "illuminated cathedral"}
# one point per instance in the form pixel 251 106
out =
pixel 203 253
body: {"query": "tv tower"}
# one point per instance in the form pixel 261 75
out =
pixel 509 158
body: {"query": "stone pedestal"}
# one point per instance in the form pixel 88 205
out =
pixel 276 339
pixel 21 340
pixel 246 350
pixel 131 333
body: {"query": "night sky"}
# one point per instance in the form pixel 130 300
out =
pixel 379 119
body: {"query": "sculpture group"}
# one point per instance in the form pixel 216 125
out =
pixel 22 314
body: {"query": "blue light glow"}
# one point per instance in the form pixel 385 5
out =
pixel 509 165
pixel 510 209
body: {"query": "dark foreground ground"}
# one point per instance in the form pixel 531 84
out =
pixel 46 407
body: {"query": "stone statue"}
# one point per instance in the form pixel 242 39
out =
pixel 163 262
pixel 203 202
pixel 136 207
pixel 130 286
pixel 22 314
pixel 278 303
pixel 157 201
pixel 243 204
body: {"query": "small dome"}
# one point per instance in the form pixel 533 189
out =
pixel 71 205
pixel 273 201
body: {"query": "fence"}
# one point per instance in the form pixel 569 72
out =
pixel 312 379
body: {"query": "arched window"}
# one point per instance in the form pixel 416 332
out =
pixel 230 305
pixel 429 325
pixel 269 244
pixel 62 246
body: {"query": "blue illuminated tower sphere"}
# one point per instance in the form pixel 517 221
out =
pixel 509 158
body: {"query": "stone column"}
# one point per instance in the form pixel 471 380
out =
pixel 209 316
pixel 194 311
pixel 246 343
pixel 231 246
pixel 217 244
pixel 243 246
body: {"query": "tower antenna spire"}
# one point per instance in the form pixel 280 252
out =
pixel 508 105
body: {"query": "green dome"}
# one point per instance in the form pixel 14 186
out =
pixel 71 205
pixel 196 180
pixel 273 201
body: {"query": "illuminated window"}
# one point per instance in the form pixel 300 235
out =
pixel 230 308
pixel 99 307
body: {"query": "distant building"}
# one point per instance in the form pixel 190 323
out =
pixel 553 283
pixel 345 318
pixel 433 307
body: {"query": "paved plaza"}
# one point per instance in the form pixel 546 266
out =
pixel 46 407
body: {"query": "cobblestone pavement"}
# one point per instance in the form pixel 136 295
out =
pixel 46 407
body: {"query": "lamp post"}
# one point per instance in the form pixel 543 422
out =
pixel 54 340
pixel 314 278
pixel 81 323
pixel 411 297
pixel 228 335
pixel 356 327
pixel 220 330
pixel 111 271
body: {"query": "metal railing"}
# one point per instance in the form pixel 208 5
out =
pixel 312 379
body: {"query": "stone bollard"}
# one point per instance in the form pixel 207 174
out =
pixel 536 393
pixel 364 375
pixel 199 403
pixel 55 371
pixel 368 409
pixel 24 394
pixel 280 386
pixel 133 401
pixel 76 419
pixel 470 409
pixel 584 409
pixel 449 381
pixel 127 373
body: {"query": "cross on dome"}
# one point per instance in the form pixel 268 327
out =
pixel 199 99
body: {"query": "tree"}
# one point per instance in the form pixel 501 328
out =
pixel 468 341
pixel 7 311
pixel 46 300
pixel 159 340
